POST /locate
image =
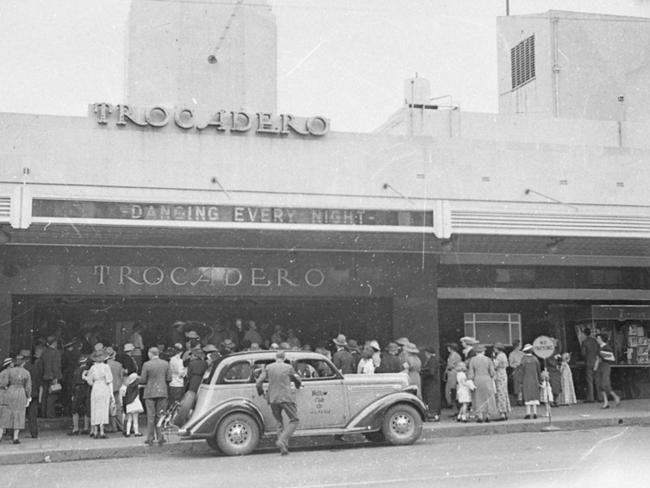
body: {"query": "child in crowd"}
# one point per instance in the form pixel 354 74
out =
pixel 463 391
pixel 80 399
pixel 133 406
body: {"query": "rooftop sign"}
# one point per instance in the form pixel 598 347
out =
pixel 220 121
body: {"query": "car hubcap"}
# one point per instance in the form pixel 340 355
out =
pixel 237 433
pixel 401 424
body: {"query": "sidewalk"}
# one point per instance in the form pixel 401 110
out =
pixel 56 446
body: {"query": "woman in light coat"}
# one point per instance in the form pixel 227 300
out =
pixel 100 378
pixel 413 366
pixel 501 381
pixel 481 372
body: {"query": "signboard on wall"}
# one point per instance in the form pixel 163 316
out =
pixel 242 215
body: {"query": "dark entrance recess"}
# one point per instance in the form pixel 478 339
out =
pixel 315 320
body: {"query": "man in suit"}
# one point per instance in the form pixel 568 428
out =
pixel 36 373
pixel 155 376
pixel 589 350
pixel 52 375
pixel 281 397
pixel 342 358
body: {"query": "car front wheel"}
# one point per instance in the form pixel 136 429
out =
pixel 402 425
pixel 237 434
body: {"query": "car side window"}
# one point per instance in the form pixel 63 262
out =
pixel 238 372
pixel 312 369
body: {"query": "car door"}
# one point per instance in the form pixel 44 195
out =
pixel 321 400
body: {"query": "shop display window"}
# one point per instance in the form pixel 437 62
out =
pixel 490 328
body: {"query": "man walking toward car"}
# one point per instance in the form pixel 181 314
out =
pixel 155 376
pixel 281 397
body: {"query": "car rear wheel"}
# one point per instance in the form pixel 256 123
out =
pixel 237 434
pixel 375 436
pixel 402 425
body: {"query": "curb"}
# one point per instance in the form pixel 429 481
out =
pixel 199 447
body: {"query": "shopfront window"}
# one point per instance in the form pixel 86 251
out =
pixel 490 328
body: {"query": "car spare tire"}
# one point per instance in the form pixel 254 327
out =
pixel 186 406
pixel 402 425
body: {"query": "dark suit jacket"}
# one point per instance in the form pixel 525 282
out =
pixel 155 376
pixel 344 361
pixel 590 350
pixel 51 359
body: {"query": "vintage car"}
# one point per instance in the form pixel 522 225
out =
pixel 231 416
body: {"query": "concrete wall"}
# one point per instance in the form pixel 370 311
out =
pixel 168 48
pixel 599 58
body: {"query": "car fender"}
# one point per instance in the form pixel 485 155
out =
pixel 206 425
pixel 371 417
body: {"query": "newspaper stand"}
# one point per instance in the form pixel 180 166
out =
pixel 544 347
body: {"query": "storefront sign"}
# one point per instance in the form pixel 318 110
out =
pixel 182 276
pixel 220 213
pixel 543 347
pixel 220 121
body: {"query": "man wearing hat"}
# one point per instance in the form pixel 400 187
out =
pixel 36 375
pixel 52 376
pixel 227 347
pixel 355 351
pixel 155 376
pixel 117 420
pixel 281 397
pixel 80 399
pixel 390 360
pixel 342 358
pixel 69 358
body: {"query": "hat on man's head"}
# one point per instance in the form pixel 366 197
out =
pixel 527 347
pixel 210 348
pixel 499 346
pixel 375 345
pixel 479 348
pixel 192 334
pixel 340 340
pixel 26 353
pixel 469 340
pixel 353 345
pixel 229 344
pixel 402 341
pixel 128 347
pixel 7 362
pixel 411 348
pixel 50 339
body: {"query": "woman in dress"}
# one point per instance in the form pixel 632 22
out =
pixel 450 376
pixel 100 378
pixel 481 372
pixel 413 365
pixel 530 381
pixel 568 395
pixel 501 381
pixel 17 383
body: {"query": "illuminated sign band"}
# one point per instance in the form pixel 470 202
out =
pixel 138 211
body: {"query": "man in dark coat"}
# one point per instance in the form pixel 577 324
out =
pixel 390 360
pixel 281 397
pixel 430 374
pixel 36 373
pixel 589 350
pixel 155 376
pixel 342 358
pixel 52 376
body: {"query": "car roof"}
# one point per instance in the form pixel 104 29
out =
pixel 290 354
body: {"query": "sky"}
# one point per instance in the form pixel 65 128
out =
pixel 343 59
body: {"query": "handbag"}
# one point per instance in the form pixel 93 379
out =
pixel 54 387
pixel 135 406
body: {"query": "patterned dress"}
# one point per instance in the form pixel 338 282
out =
pixel 501 383
pixel 18 384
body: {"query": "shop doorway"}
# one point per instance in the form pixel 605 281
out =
pixel 314 320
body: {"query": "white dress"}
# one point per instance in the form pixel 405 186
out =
pixel 463 393
pixel 568 395
pixel 100 379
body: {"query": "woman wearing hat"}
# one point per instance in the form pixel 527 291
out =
pixel 530 379
pixel 413 366
pixel 481 372
pixel 100 379
pixel 80 399
pixel 501 381
pixel 18 393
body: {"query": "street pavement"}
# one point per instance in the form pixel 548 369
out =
pixel 605 457
pixel 55 446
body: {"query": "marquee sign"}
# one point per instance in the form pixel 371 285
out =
pixel 236 214
pixel 220 121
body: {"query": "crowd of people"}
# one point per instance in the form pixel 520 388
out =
pixel 105 389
